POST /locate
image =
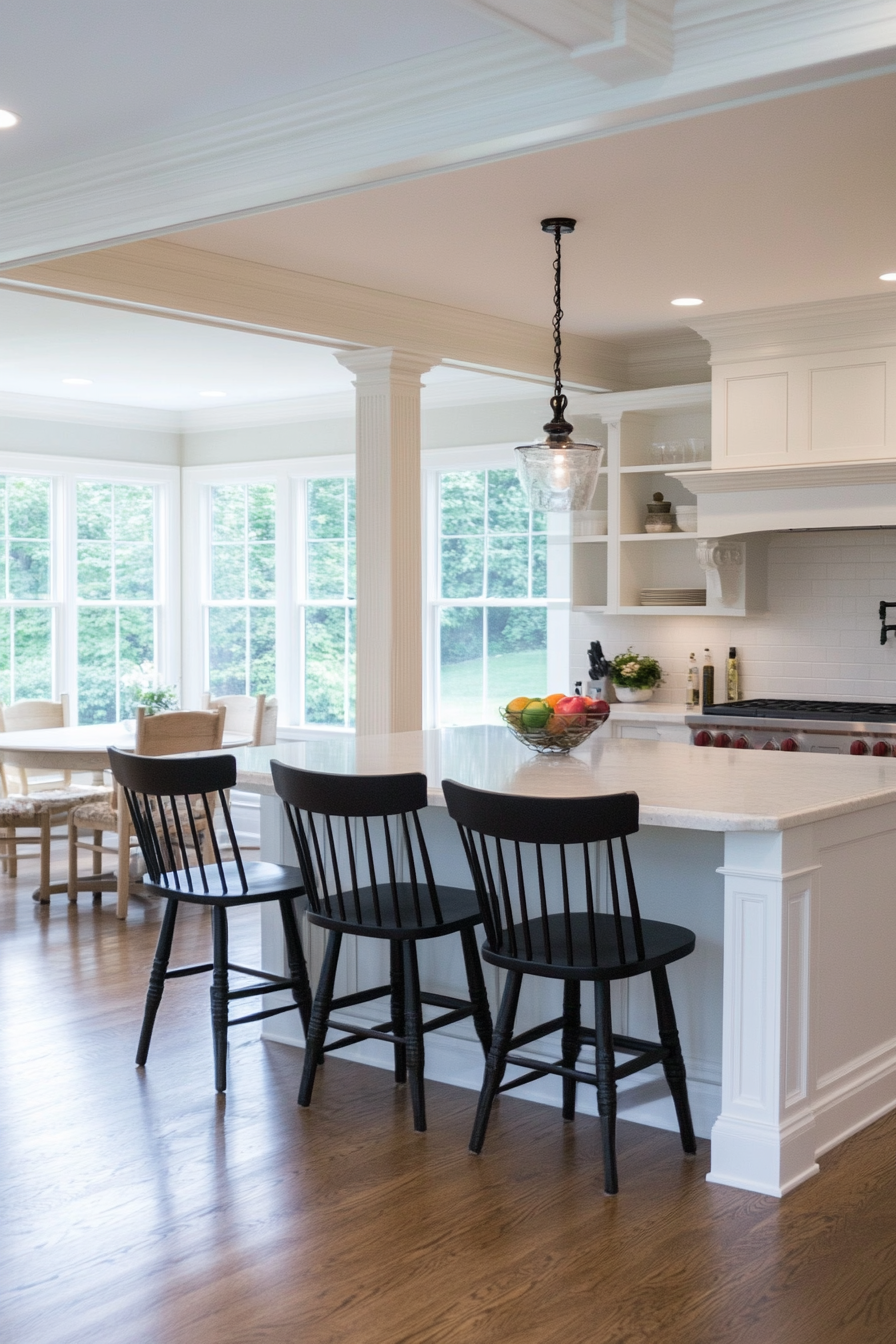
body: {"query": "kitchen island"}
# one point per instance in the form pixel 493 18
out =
pixel 782 864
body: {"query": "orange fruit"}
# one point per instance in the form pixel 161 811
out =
pixel 552 699
pixel 519 703
pixel 557 724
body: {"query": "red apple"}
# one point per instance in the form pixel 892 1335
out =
pixel 571 704
pixel 597 707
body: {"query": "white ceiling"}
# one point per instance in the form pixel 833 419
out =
pixel 784 201
pixel 88 77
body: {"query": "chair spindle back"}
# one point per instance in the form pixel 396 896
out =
pixel 173 804
pixel 534 865
pixel 387 846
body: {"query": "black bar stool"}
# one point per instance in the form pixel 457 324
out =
pixel 332 818
pixel 511 841
pixel 173 803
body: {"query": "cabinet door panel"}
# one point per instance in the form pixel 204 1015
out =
pixel 847 415
pixel 756 415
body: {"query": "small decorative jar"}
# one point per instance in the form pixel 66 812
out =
pixel 659 515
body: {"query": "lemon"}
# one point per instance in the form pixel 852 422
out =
pixel 520 702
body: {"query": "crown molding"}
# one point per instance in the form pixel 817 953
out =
pixel 23 406
pixel 800 328
pixel 169 279
pixel 486 100
pixel 610 405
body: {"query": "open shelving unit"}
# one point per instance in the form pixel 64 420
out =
pixel 609 572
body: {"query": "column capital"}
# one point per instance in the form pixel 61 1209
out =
pixel 377 364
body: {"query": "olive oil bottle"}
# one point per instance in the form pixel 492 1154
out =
pixel 731 677
pixel 709 680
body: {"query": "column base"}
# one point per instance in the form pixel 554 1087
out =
pixel 769 1159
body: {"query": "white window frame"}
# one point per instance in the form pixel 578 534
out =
pixel 488 457
pixel 64 474
pixel 289 476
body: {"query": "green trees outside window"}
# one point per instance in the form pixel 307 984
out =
pixel 492 631
pixel 26 615
pixel 241 643
pixel 329 602
pixel 116 594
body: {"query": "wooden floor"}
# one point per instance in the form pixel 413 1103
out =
pixel 138 1208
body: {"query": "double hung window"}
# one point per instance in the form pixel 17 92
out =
pixel 492 617
pixel 328 606
pixel 241 613
pixel 27 613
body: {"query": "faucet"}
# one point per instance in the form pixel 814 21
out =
pixel 884 628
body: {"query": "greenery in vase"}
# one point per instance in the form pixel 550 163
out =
pixel 637 670
pixel 145 694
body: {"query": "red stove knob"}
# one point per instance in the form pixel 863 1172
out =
pixel 741 743
pixel 790 744
pixel 881 749
pixel 722 740
pixel 703 738
pixel 770 745
pixel 858 748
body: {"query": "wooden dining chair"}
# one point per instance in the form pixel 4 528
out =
pixel 534 863
pixel 167 802
pixel 157 735
pixel 42 803
pixel 339 824
pixel 255 715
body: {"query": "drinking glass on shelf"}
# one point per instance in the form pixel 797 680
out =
pixel 696 450
pixel 657 452
pixel 674 450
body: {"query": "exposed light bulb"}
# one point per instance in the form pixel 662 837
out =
pixel 559 470
pixel 686 303
pixel 7 119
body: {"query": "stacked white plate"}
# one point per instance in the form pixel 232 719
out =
pixel 673 597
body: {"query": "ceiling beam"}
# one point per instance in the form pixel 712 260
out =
pixel 184 282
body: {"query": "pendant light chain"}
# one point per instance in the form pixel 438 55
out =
pixel 558 317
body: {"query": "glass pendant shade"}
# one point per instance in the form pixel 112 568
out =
pixel 559 477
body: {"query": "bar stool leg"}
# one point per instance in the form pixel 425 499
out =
pixel 157 980
pixel 673 1064
pixel 482 1018
pixel 571 1042
pixel 605 1062
pixel 218 993
pixel 320 1012
pixel 295 960
pixel 495 1062
pixel 413 1030
pixel 396 980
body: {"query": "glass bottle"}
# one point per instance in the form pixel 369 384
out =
pixel 709 680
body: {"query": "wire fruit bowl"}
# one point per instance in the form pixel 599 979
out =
pixel 557 738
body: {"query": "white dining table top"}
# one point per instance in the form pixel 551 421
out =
pixel 84 740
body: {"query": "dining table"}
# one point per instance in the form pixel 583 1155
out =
pixel 81 749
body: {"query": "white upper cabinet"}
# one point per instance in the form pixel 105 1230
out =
pixel 811 383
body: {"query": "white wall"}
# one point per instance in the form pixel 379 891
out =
pixel 820 635
pixel 110 443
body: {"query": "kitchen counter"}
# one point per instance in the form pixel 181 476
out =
pixel 679 786
pixel 782 864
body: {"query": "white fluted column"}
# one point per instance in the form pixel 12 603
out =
pixel 388 508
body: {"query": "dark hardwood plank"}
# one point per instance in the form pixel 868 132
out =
pixel 139 1208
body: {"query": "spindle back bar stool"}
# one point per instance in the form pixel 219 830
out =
pixel 173 804
pixel 367 872
pixel 534 866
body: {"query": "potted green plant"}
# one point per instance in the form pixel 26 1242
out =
pixel 635 676
pixel 146 693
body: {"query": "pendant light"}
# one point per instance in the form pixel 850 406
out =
pixel 557 473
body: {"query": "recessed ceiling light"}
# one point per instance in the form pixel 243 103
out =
pixel 686 303
pixel 78 382
pixel 213 394
pixel 887 275
pixel 7 119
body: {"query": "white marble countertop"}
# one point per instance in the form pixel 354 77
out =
pixel 648 711
pixel 679 785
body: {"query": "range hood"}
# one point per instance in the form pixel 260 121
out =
pixel 739 501
pixel 803 418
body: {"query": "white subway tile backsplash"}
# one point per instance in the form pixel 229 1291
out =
pixel 820 635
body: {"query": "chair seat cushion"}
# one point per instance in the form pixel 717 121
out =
pixel 101 815
pixel 265 882
pixel 57 800
pixel 460 909
pixel 571 957
pixel 20 807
